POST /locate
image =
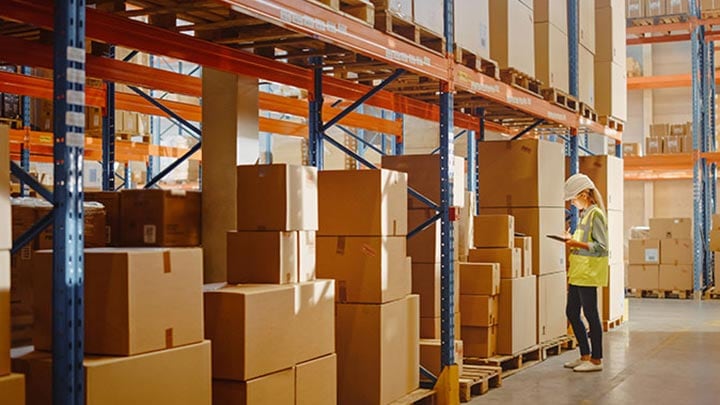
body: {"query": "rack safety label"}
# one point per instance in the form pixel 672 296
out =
pixel 485 88
pixel 75 54
pixel 556 116
pixel 311 22
pixel 407 58
pixel 519 100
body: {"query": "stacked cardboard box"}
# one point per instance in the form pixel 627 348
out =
pixel 586 52
pixel 272 326
pixel 632 149
pixel 669 138
pixel 12 391
pixel 480 299
pixel 551 44
pixel 472 26
pixel 426 15
pixel 610 66
pixel 169 218
pixel 709 6
pixel 361 244
pixel 512 43
pixel 655 8
pixel 663 261
pixel 635 8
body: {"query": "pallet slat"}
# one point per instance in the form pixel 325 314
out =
pixel 420 396
pixel 668 294
pixel 521 81
pixel 476 62
pixel 477 380
pixel 561 98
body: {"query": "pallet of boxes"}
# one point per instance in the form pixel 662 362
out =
pixel 661 265
pixel 272 326
pixel 669 138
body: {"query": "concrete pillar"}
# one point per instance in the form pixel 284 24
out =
pixel 230 137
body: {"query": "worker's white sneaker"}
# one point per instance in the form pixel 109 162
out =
pixel 575 363
pixel 587 367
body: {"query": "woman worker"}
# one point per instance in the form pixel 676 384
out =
pixel 588 269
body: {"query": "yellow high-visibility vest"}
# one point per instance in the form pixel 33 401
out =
pixel 588 269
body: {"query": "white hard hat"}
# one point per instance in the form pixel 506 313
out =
pixel 576 184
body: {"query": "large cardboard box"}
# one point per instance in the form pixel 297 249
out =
pixel 551 302
pixel 423 175
pixel 366 269
pixel 586 73
pixel 551 55
pixel 4 312
pixel 136 300
pixel 611 43
pixel 479 278
pixel 111 201
pixel 388 350
pixel 472 26
pixel 494 231
pixel 635 8
pixel 644 251
pixel 671 228
pixel 586 24
pixel 655 8
pixel 616 236
pixel 424 246
pixel 614 294
pixel 307 257
pixel 522 173
pixel 175 376
pixel 262 257
pixel 426 15
pixel 316 381
pixel 643 277
pixel 548 255
pixel 276 388
pixel 510 260
pixel 430 327
pixel 525 245
pixel 426 284
pixel 314 321
pixel 675 277
pixel 552 11
pixel 676 251
pixel 479 310
pixel 160 218
pixel 6 237
pixel 362 203
pixel 517 318
pixel 277 198
pixel 480 341
pixel 611 90
pixel 511 35
pixel 94 229
pixel 430 355
pixel 607 174
pixel 12 389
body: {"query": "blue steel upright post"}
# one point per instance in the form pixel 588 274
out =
pixel 698 198
pixel 108 132
pixel 24 147
pixel 573 44
pixel 707 105
pixel 315 123
pixel 69 123
pixel 712 147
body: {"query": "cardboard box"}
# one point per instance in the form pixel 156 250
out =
pixel 426 284
pixel 676 277
pixel 277 197
pixel 510 260
pixel 586 72
pixel 426 15
pixel 472 26
pixel 714 240
pixel 366 269
pixel 511 36
pixel 548 255
pixel 525 245
pixel 6 237
pixel 494 231
pixel 522 173
pixel 610 35
pixel 632 149
pixel 635 9
pixel 276 388
pixel 430 355
pixel 551 54
pixel 659 130
pixel 479 310
pixel 430 327
pixel 400 8
pixel 607 174
pixel 424 247
pixel 388 350
pixel 4 312
pixel 551 302
pixel 314 322
pixel 676 251
pixel 465 226
pixel 479 278
pixel 554 12
pixel 611 89
pixel 111 201
pixel 644 277
pixel 94 231
pixel 586 24
pixel 517 318
pixel 262 257
pixel 676 7
pixel 175 376
pixel 613 296
pixel 616 237
pixel 362 203
pixel 12 389
pixel 671 228
pixel 168 218
pixel 644 251
pixel 681 129
pixel 316 381
pixel 653 146
pixel 672 144
pixel 136 300
pixel 654 8
pixel 307 257
pixel 479 341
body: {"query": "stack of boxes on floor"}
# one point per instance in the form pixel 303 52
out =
pixel 525 179
pixel 663 261
pixel 551 44
pixel 669 138
pixel 12 386
pixel 610 59
pixel 362 245
pixel 586 52
pixel 272 326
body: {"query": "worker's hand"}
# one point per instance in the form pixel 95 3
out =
pixel 571 243
pixel 568 235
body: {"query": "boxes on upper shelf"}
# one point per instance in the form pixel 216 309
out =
pixel 586 72
pixel 554 12
pixel 472 26
pixel 494 231
pixel 277 197
pixel 479 278
pixel 611 88
pixel 511 35
pixel 423 176
pixel 510 260
pixel 551 55
pixel 517 320
pixel 644 277
pixel 632 149
pixel 168 218
pixel 425 15
pixel 262 257
pixel 430 327
pixel 307 258
pixel 424 247
pixel 611 43
pixel 586 24
pixel 671 228
pixel 644 251
pixel 4 312
pixel 655 8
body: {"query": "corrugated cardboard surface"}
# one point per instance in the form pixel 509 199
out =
pixel 426 15
pixel 517 325
pixel 552 11
pixel 510 260
pixel 676 251
pixel 423 175
pixel 479 310
pixel 671 228
pixel 644 251
pixel 426 284
pixel 262 257
pixel 479 278
pixel 551 56
pixel 4 312
pixel 276 388
pixel 636 8
pixel 610 45
pixel 316 381
pixel 512 35
pixel 480 341
pixel 160 218
pixel 494 231
pixel 472 26
pixel 611 89
pixel 12 389
pixel 586 72
pixel 136 300
pixel 551 302
pixel 430 355
pixel 655 8
pixel 111 201
pixel 607 174
pixel 676 278
pixel 525 246
pixel 314 322
pixel 616 236
pixel 614 293
pixel 643 277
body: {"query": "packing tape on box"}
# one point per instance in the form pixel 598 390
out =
pixel 340 247
pixel 169 338
pixel 342 290
pixel 167 263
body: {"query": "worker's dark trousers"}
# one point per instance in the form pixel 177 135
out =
pixel 585 298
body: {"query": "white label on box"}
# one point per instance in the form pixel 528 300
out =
pixel 149 234
pixel 652 255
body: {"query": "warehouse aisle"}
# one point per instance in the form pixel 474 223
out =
pixel 668 353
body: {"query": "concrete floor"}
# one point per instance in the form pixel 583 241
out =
pixel 668 353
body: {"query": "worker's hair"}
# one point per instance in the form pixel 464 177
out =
pixel 595 197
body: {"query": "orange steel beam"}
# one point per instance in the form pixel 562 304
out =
pixel 662 81
pixel 659 163
pixel 658 39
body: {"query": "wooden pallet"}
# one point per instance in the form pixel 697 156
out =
pixel 510 364
pixel 420 396
pixel 710 13
pixel 521 81
pixel 556 346
pixel 588 112
pixel 401 28
pixel 13 123
pixel 712 293
pixel 476 62
pixel 561 98
pixel 362 10
pixel 657 20
pixel 477 380
pixel 667 294
pixel 607 325
pixel 132 137
pixel 612 123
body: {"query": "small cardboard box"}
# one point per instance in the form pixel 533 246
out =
pixel 430 355
pixel 316 381
pixel 644 251
pixel 262 257
pixel 654 146
pixel 517 320
pixel 494 231
pixel 676 278
pixel 479 310
pixel 672 144
pixel 276 388
pixel 525 245
pixel 12 389
pixel 479 278
pixel 168 218
pixel 676 251
pixel 643 277
pixel 480 341
pixel 510 260
pixel 671 228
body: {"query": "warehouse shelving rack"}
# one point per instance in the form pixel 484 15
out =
pixel 701 164
pixel 484 103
